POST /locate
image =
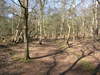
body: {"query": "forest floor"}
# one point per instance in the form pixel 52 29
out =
pixel 51 58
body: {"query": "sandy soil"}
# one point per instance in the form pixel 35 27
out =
pixel 49 58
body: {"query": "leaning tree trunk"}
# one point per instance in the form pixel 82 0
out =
pixel 18 34
pixel 68 36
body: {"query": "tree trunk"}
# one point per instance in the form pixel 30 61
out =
pixel 26 38
pixel 24 5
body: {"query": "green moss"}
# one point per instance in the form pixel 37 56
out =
pixel 26 61
pixel 16 58
pixel 86 65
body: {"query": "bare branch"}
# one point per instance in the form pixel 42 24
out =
pixel 21 4
pixel 17 15
pixel 98 1
pixel 15 3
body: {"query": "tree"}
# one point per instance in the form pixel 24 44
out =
pixel 3 8
pixel 24 6
pixel 96 19
pixel 41 4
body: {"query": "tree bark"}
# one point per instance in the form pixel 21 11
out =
pixel 24 6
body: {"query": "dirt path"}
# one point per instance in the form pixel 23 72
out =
pixel 54 63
